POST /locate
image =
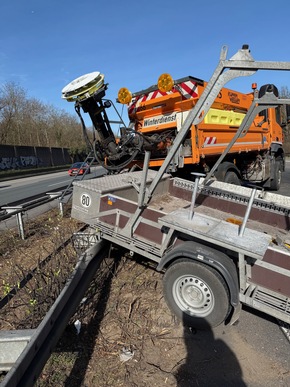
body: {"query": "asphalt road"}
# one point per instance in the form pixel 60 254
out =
pixel 12 191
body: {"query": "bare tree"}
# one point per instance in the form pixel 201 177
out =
pixel 28 121
pixel 11 100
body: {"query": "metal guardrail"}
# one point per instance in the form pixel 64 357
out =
pixel 43 340
pixel 63 197
pixel 19 210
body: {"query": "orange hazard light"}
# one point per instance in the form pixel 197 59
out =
pixel 124 95
pixel 165 82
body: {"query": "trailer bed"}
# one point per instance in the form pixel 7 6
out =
pixel 176 207
pixel 113 199
pixel 261 252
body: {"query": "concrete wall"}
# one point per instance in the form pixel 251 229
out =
pixel 20 157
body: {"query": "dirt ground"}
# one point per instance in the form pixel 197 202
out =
pixel 129 338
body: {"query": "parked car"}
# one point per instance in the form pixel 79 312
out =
pixel 79 168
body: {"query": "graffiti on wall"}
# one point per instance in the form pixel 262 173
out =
pixel 24 157
pixel 19 162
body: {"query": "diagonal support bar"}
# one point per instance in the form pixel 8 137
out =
pixel 241 64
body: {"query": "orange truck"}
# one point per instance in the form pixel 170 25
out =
pixel 255 157
pixel 158 113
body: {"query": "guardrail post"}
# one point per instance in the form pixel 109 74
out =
pixel 18 212
pixel 60 205
pixel 57 195
pixel 20 225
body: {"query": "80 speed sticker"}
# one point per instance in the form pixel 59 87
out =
pixel 86 200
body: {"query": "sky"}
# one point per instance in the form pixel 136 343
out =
pixel 44 45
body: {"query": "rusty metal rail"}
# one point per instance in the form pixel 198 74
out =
pixel 41 264
pixel 31 361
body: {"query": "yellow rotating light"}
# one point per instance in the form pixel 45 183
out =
pixel 124 95
pixel 83 87
pixel 165 82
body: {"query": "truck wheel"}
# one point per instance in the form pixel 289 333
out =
pixel 232 178
pixel 196 293
pixel 276 182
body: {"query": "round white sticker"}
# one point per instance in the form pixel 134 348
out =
pixel 86 200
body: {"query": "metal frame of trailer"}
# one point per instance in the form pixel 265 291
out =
pixel 221 227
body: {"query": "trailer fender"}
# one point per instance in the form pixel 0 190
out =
pixel 209 256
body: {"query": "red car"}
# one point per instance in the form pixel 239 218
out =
pixel 79 169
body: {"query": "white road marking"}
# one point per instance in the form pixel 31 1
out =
pixel 61 182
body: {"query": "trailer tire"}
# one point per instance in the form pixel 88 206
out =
pixel 276 181
pixel 232 178
pixel 196 293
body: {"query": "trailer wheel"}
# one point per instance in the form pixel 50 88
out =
pixel 276 182
pixel 196 293
pixel 232 178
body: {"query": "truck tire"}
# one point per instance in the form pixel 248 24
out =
pixel 276 182
pixel 232 178
pixel 196 293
